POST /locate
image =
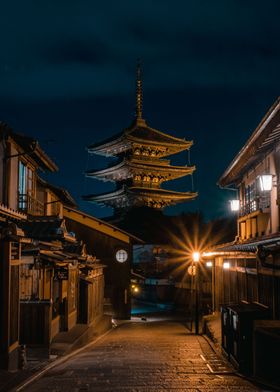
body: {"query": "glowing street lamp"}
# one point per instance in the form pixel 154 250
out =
pixel 196 259
pixel 209 264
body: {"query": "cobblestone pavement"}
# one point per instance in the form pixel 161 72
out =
pixel 144 356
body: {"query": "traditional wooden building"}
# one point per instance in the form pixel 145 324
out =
pixel 246 271
pixel 11 240
pixel 254 253
pixel 43 268
pixel 52 265
pixel 20 158
pixel 115 248
pixel 141 166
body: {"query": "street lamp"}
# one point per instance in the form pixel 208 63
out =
pixel 211 266
pixel 196 259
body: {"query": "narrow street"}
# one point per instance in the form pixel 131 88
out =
pixel 144 356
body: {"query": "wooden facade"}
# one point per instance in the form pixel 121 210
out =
pixel 105 241
pixel 9 297
pixel 42 266
pixel 247 270
pixel 253 258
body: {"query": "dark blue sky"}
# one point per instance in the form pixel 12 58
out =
pixel 211 71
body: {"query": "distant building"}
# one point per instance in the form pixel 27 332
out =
pixel 140 169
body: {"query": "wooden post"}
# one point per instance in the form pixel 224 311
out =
pixel 9 328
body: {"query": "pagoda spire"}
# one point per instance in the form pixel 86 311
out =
pixel 139 92
pixel 141 168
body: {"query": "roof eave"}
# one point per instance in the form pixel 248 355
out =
pixel 225 180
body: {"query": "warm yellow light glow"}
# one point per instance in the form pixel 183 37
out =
pixel 191 239
pixel 136 289
pixel 196 257
pixel 209 264
pixel 208 254
pixel 226 265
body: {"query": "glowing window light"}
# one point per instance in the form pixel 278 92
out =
pixel 209 264
pixel 234 205
pixel 226 265
pixel 265 182
pixel 196 257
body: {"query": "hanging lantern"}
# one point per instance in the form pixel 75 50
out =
pixel 265 182
pixel 234 205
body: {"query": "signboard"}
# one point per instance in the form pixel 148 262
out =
pixel 192 270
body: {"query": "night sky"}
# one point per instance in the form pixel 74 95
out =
pixel 210 69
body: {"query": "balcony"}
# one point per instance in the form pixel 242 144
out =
pixel 253 220
pixel 260 203
pixel 30 205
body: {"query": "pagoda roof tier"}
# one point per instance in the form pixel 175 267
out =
pixel 140 196
pixel 140 134
pixel 127 168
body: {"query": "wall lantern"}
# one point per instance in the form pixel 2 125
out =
pixel 265 182
pixel 121 255
pixel 226 265
pixel 209 264
pixel 234 205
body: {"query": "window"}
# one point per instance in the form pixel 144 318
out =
pixel 250 194
pixel 25 185
pixel 249 199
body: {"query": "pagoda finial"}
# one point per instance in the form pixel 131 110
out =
pixel 139 91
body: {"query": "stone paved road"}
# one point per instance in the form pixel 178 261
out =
pixel 145 357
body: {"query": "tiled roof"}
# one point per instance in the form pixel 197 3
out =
pixel 264 139
pixel 9 213
pixel 63 195
pixel 30 146
pixel 47 228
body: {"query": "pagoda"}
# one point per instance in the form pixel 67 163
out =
pixel 140 168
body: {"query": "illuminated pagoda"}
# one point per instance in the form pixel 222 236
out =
pixel 140 168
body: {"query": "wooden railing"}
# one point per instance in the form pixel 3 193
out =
pixel 30 205
pixel 261 203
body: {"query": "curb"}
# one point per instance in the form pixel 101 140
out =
pixel 56 362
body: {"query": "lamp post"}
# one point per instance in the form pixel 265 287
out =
pixel 196 259
pixel 211 265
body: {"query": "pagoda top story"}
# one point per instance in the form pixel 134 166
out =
pixel 140 169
